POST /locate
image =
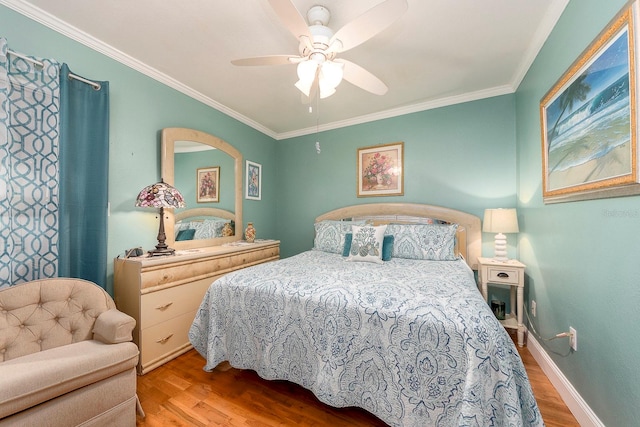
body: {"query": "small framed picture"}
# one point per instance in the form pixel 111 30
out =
pixel 253 189
pixel 208 184
pixel 380 170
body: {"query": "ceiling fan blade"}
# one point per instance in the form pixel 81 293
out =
pixel 268 60
pixel 355 74
pixel 291 18
pixel 368 24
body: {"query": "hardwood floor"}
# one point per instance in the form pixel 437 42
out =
pixel 180 393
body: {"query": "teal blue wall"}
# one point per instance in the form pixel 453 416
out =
pixel 140 108
pixel 582 257
pixel 462 156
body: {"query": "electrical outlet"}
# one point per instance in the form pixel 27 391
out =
pixel 573 339
pixel 533 307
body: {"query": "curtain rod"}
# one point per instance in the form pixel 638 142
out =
pixel 95 85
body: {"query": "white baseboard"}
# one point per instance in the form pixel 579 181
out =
pixel 578 407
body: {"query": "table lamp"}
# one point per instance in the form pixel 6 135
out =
pixel 500 221
pixel 160 195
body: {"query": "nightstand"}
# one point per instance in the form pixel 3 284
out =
pixel 505 273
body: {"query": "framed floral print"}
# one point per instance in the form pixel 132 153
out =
pixel 379 170
pixel 208 184
pixel 253 190
pixel 588 121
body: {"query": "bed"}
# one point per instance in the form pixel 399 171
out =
pixel 410 340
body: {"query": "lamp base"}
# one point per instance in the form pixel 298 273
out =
pixel 162 252
pixel 161 248
pixel 500 248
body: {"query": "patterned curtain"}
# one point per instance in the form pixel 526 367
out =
pixel 29 168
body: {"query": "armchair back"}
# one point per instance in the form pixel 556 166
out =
pixel 48 313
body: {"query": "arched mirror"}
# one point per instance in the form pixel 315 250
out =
pixel 208 172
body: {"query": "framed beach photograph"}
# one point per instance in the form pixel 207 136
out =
pixel 253 189
pixel 588 121
pixel 379 170
pixel 208 184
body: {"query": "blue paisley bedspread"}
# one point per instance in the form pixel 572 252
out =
pixel 412 342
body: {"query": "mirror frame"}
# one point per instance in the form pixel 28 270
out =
pixel 169 138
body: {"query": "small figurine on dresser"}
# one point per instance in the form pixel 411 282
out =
pixel 250 233
pixel 227 230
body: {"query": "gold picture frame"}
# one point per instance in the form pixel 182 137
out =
pixel 588 121
pixel 380 170
pixel 208 185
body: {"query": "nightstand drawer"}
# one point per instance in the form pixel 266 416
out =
pixel 503 275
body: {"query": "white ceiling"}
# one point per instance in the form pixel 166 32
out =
pixel 440 52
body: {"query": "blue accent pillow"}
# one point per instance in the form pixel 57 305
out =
pixel 186 234
pixel 387 246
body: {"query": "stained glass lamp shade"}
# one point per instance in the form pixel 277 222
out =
pixel 160 195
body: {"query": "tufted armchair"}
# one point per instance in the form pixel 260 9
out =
pixel 66 356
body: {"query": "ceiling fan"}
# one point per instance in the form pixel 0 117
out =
pixel 317 65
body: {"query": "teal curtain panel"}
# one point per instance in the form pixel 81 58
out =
pixel 84 167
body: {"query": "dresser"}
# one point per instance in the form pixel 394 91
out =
pixel 164 293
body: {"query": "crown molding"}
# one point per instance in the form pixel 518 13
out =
pixel 395 112
pixel 56 24
pixel 550 20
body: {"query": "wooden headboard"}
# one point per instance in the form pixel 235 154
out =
pixel 469 236
pixel 200 212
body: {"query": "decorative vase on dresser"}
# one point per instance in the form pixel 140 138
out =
pixel 164 293
pixel 250 233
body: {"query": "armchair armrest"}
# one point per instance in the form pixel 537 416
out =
pixel 113 326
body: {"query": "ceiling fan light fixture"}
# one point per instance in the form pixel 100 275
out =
pixel 304 87
pixel 326 90
pixel 319 46
pixel 307 70
pixel 332 73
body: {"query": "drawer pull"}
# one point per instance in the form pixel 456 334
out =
pixel 164 306
pixel 165 339
pixel 503 275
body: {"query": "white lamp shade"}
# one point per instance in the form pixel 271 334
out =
pixel 325 90
pixel 329 76
pixel 500 221
pixel 307 70
pixel 304 87
pixel 332 73
pixel 306 75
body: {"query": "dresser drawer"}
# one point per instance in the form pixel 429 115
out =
pixel 165 338
pixel 503 275
pixel 215 265
pixel 168 303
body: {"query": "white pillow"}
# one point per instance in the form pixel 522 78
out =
pixel 366 243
